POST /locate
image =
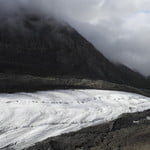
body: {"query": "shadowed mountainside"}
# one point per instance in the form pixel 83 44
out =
pixel 47 47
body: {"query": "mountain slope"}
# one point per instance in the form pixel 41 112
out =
pixel 46 47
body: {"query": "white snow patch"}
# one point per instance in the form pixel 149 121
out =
pixel 27 118
pixel 136 122
pixel 148 117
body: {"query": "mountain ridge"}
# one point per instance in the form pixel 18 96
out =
pixel 48 47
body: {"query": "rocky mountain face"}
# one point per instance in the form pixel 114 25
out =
pixel 47 47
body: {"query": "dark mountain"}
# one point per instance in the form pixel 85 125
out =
pixel 47 47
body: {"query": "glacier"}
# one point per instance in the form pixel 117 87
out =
pixel 27 118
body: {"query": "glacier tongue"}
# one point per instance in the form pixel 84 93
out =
pixel 27 118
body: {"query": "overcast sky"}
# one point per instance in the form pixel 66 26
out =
pixel 120 29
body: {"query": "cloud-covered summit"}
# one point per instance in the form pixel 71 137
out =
pixel 119 29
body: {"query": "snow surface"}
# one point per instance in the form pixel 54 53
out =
pixel 26 118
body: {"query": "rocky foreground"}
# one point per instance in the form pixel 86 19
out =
pixel 128 132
